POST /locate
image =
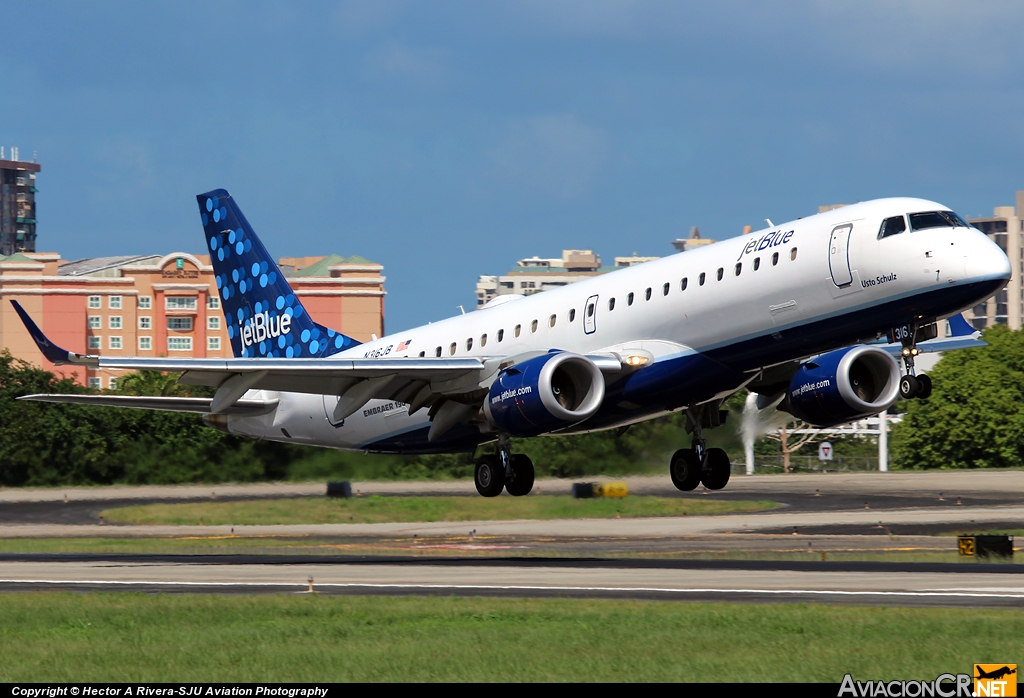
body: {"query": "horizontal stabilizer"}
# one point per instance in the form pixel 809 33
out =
pixel 50 350
pixel 199 405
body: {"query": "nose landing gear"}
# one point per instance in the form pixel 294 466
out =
pixel 913 385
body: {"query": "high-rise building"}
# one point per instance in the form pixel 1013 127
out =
pixel 17 204
pixel 1006 228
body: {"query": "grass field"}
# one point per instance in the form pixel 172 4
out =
pixel 377 509
pixel 135 637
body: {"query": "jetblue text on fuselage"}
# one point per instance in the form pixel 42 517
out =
pixel 263 327
pixel 772 239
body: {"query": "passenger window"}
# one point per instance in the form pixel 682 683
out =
pixel 757 263
pixel 551 321
pixel 501 335
pixel 664 290
pixel 533 326
pixel 423 354
pixel 892 226
pixel 611 301
pixel 629 298
pixel 590 310
pixel 700 279
pixel 721 273
pixel 518 330
pixel 451 349
pixel 647 294
pixel 792 255
pixel 469 344
pixel 572 315
pixel 483 341
pixel 739 268
pixel 437 352
pixel 775 259
pixel 682 284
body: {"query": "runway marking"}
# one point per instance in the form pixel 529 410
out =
pixel 1015 590
pixel 496 587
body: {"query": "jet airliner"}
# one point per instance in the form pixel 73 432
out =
pixel 795 313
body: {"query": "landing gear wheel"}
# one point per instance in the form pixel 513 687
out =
pixel 489 476
pixel 685 469
pixel 909 387
pixel 715 474
pixel 926 386
pixel 522 483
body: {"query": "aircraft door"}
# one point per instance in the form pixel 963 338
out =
pixel 839 255
pixel 590 316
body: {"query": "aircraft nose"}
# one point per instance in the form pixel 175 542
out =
pixel 986 260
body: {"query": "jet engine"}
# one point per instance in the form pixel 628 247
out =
pixel 844 385
pixel 544 394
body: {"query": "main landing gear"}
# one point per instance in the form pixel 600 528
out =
pixel 699 464
pixel 911 384
pixel 504 470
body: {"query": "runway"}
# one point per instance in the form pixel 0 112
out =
pixel 836 503
pixel 857 583
pixel 874 514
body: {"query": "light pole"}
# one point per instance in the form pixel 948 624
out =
pixel 883 442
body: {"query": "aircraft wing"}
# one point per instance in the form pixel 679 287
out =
pixel 199 405
pixel 419 381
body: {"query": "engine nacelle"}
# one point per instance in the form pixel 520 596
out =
pixel 844 385
pixel 544 394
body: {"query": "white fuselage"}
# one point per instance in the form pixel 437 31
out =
pixel 733 300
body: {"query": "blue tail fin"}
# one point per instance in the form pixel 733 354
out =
pixel 264 318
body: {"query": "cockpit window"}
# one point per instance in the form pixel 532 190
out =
pixel 892 226
pixel 936 219
pixel 960 222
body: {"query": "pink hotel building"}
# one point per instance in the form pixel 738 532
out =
pixel 164 305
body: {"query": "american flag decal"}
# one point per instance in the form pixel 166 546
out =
pixel 404 345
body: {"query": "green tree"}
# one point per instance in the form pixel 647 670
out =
pixel 155 383
pixel 974 417
pixel 54 444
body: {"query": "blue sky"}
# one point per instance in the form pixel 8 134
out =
pixel 448 139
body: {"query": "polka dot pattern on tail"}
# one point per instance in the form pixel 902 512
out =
pixel 263 318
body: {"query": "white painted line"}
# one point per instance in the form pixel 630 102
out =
pixel 496 587
pixel 1014 590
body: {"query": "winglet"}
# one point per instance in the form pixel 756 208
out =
pixel 959 326
pixel 50 350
